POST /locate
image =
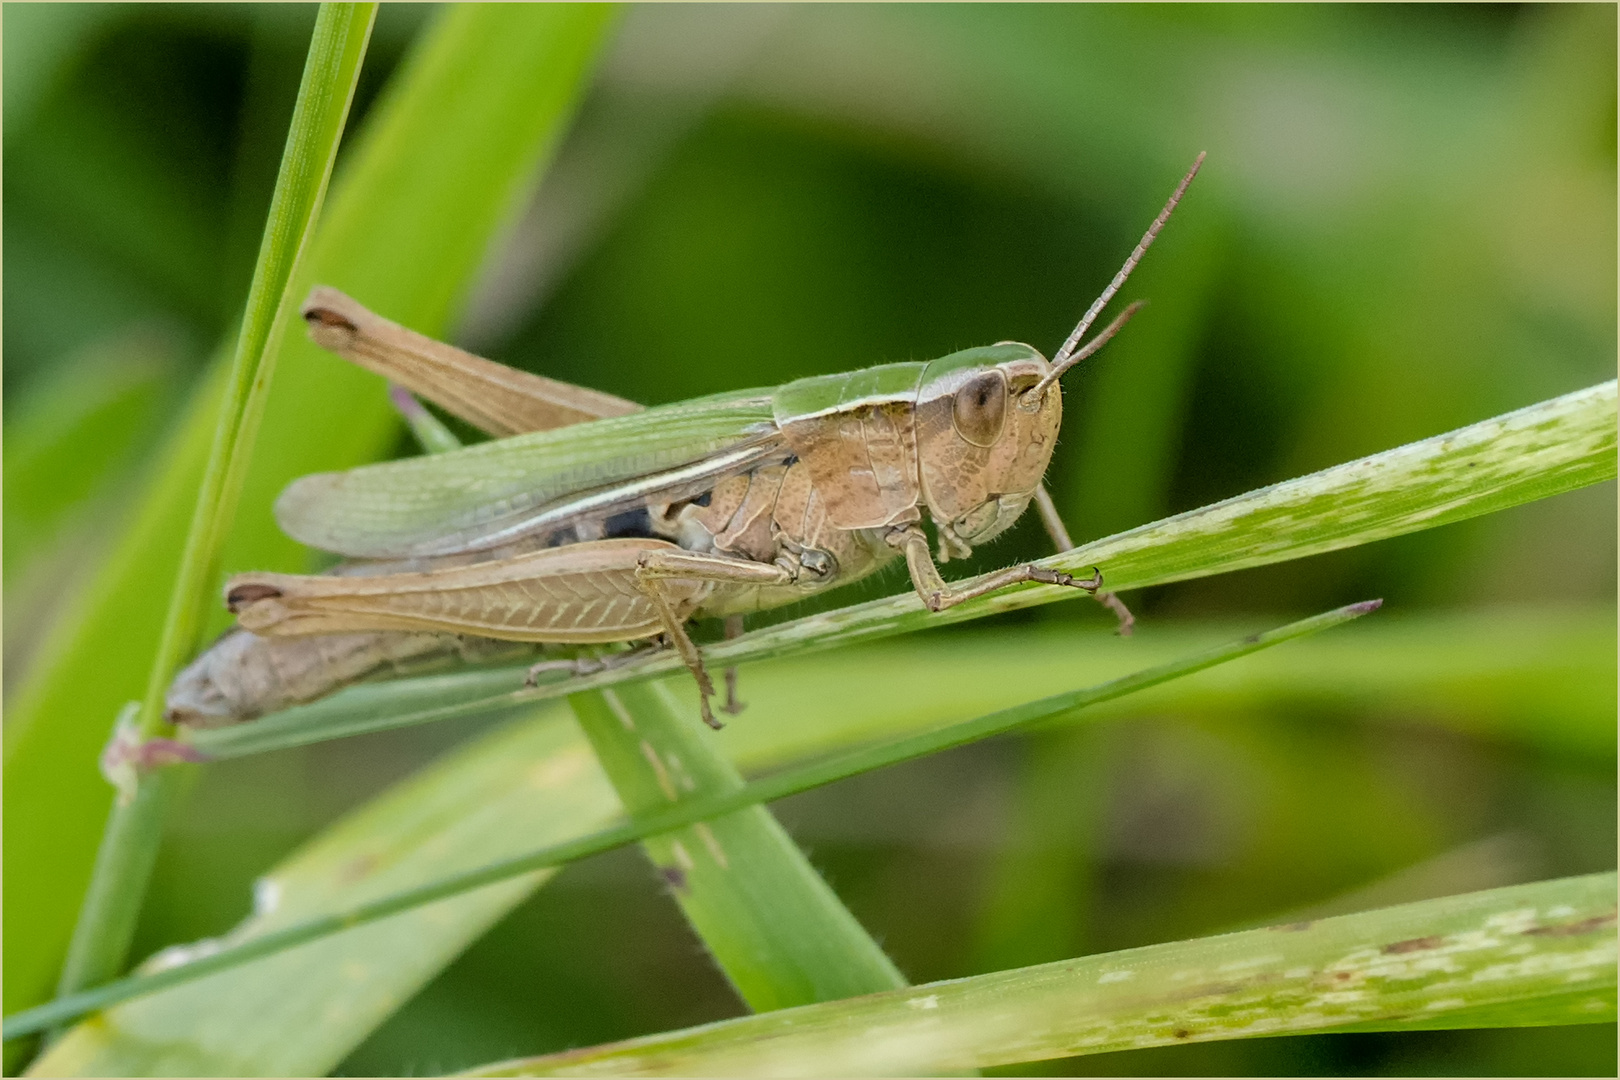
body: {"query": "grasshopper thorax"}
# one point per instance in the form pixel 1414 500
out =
pixel 984 439
pixel 962 437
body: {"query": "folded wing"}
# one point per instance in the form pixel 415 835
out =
pixel 497 492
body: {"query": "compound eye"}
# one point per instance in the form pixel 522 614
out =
pixel 981 409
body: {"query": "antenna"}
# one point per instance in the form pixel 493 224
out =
pixel 1069 355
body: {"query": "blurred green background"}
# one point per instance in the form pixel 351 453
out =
pixel 1406 223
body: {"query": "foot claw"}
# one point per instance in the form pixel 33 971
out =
pixel 129 754
pixel 1058 577
pixel 708 716
pixel 531 678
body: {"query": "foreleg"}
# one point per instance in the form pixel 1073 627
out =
pixel 938 596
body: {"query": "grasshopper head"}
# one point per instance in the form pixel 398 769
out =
pixel 987 419
pixel 984 439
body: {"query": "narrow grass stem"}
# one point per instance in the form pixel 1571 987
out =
pixel 677 815
pixel 129 846
pixel 331 71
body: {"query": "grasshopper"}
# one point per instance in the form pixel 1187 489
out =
pixel 590 519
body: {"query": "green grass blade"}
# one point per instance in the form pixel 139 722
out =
pixel 1541 676
pixel 770 922
pixel 70 465
pixel 331 73
pixel 1538 677
pixel 128 849
pixel 442 165
pixel 342 916
pixel 1542 450
pixel 1525 955
pixel 299 1013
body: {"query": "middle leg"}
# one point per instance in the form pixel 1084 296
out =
pixel 657 567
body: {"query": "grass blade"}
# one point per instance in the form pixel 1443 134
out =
pixel 67 456
pixel 445 160
pixel 775 928
pixel 129 847
pixel 1551 447
pixel 340 916
pixel 1525 955
pixel 1540 677
pixel 1554 446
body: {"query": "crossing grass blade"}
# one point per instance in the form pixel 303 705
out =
pixel 770 922
pixel 254 940
pixel 128 848
pixel 1527 955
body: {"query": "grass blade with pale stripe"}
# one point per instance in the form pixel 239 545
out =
pixel 1524 955
pixel 1554 446
pixel 128 849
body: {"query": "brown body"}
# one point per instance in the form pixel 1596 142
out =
pixel 242 675
pixel 580 593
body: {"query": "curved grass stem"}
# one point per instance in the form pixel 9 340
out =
pixel 129 845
